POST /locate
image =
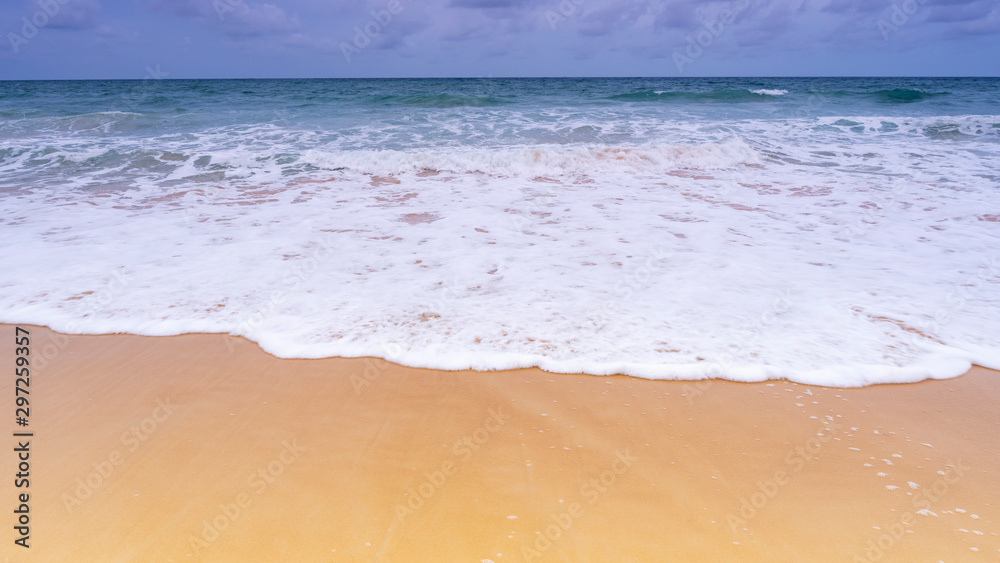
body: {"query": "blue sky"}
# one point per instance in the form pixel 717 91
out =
pixel 71 39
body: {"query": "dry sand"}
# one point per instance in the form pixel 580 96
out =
pixel 205 448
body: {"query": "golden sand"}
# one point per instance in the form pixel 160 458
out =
pixel 205 448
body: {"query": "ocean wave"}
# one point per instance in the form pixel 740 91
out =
pixel 567 147
pixel 889 96
pixel 101 123
pixel 935 128
pixel 725 95
pixel 442 100
pixel 886 96
pixel 93 166
pixel 530 162
pixel 904 95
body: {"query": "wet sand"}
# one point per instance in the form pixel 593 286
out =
pixel 205 448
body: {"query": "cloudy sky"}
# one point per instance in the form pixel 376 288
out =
pixel 45 39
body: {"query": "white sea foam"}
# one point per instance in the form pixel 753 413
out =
pixel 812 249
pixel 766 92
pixel 525 162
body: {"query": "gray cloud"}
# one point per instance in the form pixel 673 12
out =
pixel 855 6
pixel 491 4
pixel 960 12
pixel 614 16
pixel 539 36
pixel 78 14
pixel 988 24
pixel 73 15
pixel 677 15
pixel 235 18
pixel 653 27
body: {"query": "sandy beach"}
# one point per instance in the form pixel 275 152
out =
pixel 205 448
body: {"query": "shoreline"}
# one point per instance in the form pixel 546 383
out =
pixel 192 448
